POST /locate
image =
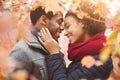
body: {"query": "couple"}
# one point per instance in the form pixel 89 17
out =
pixel 40 55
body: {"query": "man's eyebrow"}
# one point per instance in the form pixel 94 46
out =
pixel 61 19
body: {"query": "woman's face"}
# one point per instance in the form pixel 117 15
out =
pixel 74 29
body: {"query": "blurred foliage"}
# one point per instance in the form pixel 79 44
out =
pixel 14 23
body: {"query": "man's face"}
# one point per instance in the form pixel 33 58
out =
pixel 56 26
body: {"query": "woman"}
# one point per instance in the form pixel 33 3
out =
pixel 86 38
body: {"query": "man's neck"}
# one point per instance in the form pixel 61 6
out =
pixel 34 30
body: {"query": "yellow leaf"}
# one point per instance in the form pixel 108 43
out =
pixel 111 39
pixel 110 0
pixel 111 77
pixel 117 49
pixel 96 11
pixel 105 53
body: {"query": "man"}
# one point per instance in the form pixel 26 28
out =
pixel 29 52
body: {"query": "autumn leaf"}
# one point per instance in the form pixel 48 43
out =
pixel 117 46
pixel 88 61
pixel 102 10
pixel 117 17
pixel 110 0
pixel 105 53
pixel 21 32
pixel 117 27
pixel 117 49
pixel 111 39
pixel 20 75
pixel 64 1
pixel 109 22
pixel 53 6
pixel 2 75
pixel 3 58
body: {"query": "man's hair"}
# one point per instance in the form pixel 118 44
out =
pixel 91 24
pixel 37 13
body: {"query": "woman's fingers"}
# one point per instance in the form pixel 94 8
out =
pixel 42 41
pixel 48 32
pixel 48 42
pixel 45 33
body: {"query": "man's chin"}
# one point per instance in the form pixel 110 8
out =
pixel 56 38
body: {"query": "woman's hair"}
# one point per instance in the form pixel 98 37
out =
pixel 93 23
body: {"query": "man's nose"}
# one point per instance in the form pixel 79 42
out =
pixel 61 27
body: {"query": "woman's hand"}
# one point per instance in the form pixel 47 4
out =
pixel 48 42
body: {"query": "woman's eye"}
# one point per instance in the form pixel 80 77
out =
pixel 67 27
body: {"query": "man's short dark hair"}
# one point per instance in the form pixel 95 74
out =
pixel 37 13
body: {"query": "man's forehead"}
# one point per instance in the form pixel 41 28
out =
pixel 56 17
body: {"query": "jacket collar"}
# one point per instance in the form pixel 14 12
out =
pixel 33 41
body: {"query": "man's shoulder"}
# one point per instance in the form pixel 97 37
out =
pixel 22 49
pixel 21 44
pixel 19 50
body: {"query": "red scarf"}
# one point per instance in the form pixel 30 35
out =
pixel 92 46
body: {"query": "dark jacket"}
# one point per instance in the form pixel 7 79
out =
pixel 58 71
pixel 31 55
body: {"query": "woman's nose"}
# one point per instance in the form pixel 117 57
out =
pixel 65 33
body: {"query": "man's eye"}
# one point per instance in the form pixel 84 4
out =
pixel 60 21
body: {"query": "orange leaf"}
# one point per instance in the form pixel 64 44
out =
pixel 2 75
pixel 20 75
pixel 117 17
pixel 53 6
pixel 88 61
pixel 109 22
pixel 117 27
pixel 102 10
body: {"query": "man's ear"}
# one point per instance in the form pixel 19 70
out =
pixel 44 21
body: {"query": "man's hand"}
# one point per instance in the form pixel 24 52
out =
pixel 48 42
